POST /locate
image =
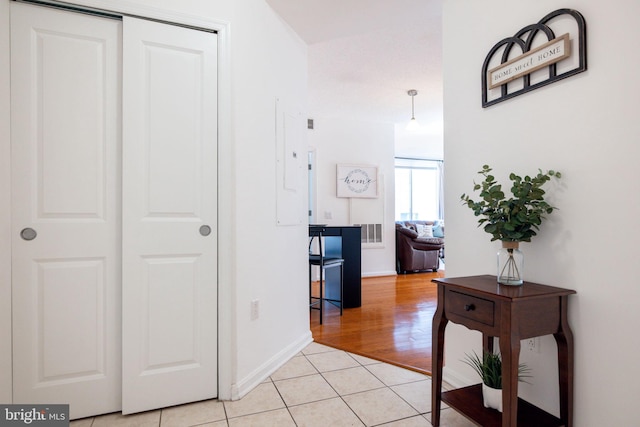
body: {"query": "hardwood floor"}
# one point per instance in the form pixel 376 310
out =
pixel 393 324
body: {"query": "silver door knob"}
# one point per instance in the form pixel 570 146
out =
pixel 28 234
pixel 205 230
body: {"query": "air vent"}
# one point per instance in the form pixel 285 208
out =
pixel 371 233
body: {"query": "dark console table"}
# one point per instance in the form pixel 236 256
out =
pixel 512 313
pixel 343 242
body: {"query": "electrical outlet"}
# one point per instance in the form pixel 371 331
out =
pixel 255 309
pixel 533 345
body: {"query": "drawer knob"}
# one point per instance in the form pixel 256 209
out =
pixel 469 307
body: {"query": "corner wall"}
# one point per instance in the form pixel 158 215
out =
pixel 271 261
pixel 585 126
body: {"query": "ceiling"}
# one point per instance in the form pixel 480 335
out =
pixel 364 55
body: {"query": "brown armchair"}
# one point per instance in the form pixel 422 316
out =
pixel 415 253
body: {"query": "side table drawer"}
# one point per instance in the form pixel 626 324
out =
pixel 470 307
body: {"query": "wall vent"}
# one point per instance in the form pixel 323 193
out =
pixel 371 233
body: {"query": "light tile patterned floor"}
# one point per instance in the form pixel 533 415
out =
pixel 320 387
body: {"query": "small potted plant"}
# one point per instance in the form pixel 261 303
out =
pixel 511 220
pixel 489 367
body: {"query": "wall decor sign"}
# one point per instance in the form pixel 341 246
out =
pixel 549 53
pixel 535 57
pixel 357 181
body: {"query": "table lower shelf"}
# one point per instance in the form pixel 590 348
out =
pixel 468 401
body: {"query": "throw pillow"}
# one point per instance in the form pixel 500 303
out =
pixel 424 230
pixel 438 231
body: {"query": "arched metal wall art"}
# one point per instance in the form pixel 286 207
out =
pixel 535 57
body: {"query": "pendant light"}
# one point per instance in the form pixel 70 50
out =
pixel 413 123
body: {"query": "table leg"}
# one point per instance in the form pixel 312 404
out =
pixel 510 353
pixel 437 344
pixel 487 343
pixel 564 340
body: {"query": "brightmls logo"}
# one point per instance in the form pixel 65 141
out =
pixel 34 415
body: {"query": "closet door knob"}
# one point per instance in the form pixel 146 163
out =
pixel 28 234
pixel 205 230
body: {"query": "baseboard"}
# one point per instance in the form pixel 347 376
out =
pixel 454 378
pixel 379 273
pixel 260 374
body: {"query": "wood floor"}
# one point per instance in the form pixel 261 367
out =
pixel 392 325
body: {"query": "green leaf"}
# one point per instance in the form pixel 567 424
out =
pixel 515 217
pixel 489 368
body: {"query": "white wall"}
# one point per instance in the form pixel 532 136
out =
pixel 586 127
pixel 356 142
pixel 423 144
pixel 271 262
pixel 261 59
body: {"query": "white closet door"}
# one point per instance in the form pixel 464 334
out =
pixel 169 208
pixel 65 102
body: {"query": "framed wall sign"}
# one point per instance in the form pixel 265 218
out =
pixel 357 181
pixel 535 57
pixel 549 53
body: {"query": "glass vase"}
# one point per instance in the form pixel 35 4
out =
pixel 510 263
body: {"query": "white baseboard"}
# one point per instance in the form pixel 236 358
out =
pixel 380 273
pixel 455 379
pixel 245 385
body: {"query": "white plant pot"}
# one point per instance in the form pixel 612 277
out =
pixel 492 397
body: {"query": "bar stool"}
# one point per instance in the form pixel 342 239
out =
pixel 317 302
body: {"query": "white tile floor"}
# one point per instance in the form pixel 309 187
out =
pixel 320 387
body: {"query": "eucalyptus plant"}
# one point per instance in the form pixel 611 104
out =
pixel 489 367
pixel 513 219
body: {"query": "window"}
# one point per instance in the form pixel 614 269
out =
pixel 418 189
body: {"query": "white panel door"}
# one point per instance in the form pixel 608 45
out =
pixel 169 215
pixel 65 103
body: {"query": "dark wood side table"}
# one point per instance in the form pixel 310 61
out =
pixel 512 313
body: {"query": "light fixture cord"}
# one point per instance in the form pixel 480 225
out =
pixel 413 116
